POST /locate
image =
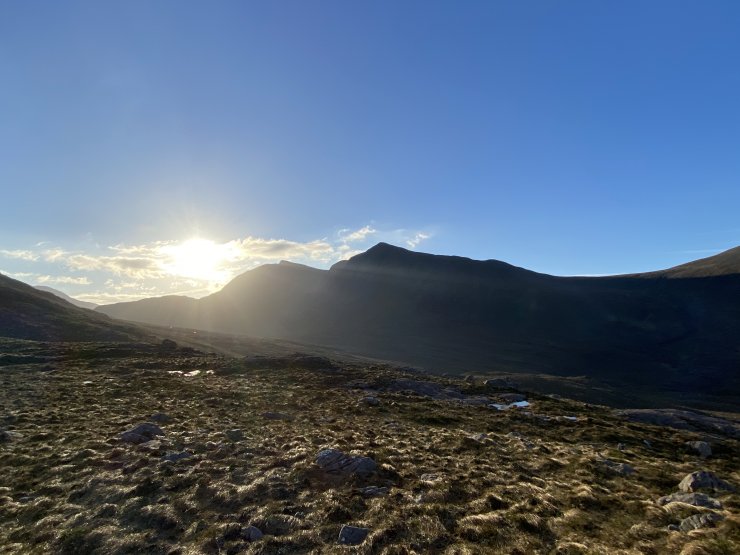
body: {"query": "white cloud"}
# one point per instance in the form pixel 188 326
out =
pixel 195 267
pixel 361 234
pixel 417 238
pixel 27 255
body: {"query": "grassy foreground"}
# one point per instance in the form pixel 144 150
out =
pixel 461 478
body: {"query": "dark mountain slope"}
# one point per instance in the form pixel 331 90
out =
pixel 27 313
pixel 452 313
pixel 63 295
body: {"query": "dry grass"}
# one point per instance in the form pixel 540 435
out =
pixel 68 486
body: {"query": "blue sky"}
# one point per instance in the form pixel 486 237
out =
pixel 567 137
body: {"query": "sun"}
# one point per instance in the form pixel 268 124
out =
pixel 197 259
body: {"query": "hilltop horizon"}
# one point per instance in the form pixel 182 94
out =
pixel 732 254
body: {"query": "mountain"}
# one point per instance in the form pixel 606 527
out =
pixel 722 264
pixel 27 313
pixel 63 295
pixel 675 330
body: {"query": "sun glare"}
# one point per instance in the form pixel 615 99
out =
pixel 198 259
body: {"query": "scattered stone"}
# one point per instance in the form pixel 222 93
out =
pixel 212 445
pixel 160 418
pixel 430 478
pixel 352 535
pixel 374 491
pixel 251 533
pixel 701 447
pixel 673 528
pixel 141 433
pixel 683 420
pixel 703 480
pixel 695 522
pixel 337 462
pixel 621 447
pixel 5 436
pixel 695 499
pixel 622 469
pixel 234 435
pixel 174 457
pixel 370 401
pixel 276 416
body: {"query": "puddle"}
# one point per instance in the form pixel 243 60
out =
pixel 184 374
pixel 517 405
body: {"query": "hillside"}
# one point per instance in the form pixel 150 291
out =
pixel 136 450
pixel 459 315
pixel 27 313
pixel 63 295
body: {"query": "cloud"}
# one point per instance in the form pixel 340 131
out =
pixel 30 256
pixel 361 234
pixel 194 267
pixel 417 238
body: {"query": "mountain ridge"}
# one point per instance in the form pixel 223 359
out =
pixel 449 313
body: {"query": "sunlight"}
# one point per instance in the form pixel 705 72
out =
pixel 198 259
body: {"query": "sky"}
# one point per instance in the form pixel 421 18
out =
pixel 151 148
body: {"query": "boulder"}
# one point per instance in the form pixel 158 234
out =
pixel 701 447
pixel 703 480
pixel 370 401
pixel 337 462
pixel 174 457
pixel 694 522
pixel 374 491
pixel 251 533
pixel 352 535
pixel 141 433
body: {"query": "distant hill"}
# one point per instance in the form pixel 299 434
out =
pixel 27 313
pixel 722 264
pixel 678 330
pixel 63 295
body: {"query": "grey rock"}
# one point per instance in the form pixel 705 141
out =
pixel 695 499
pixel 374 491
pixel 337 462
pixel 701 447
pixel 430 477
pixel 174 457
pixel 673 528
pixel 352 535
pixel 5 436
pixel 251 533
pixel 622 469
pixel 234 435
pixel 703 480
pixel 370 401
pixel 141 433
pixel 683 420
pixel 695 522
